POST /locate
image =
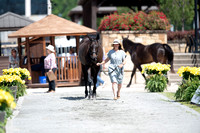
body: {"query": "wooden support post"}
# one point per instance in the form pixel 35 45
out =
pixel 19 51
pixel 28 57
pixel 94 14
pixel 77 43
pixel 90 14
pixel 52 41
pixel 44 47
pixel 79 63
pixel 87 14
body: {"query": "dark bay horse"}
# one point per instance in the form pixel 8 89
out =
pixel 143 54
pixel 90 52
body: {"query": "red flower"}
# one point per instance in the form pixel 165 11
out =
pixel 135 21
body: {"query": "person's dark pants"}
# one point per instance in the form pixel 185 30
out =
pixel 52 84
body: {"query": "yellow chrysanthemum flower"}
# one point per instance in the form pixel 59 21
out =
pixel 156 66
pixel 7 98
pixel 22 73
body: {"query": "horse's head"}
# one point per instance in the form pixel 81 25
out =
pixel 125 41
pixel 94 48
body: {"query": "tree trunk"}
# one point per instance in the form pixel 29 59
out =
pixel 183 25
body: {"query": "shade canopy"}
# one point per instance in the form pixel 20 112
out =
pixel 52 25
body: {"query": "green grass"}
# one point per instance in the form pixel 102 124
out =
pixel 170 95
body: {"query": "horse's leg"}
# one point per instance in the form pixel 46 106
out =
pixel 90 90
pixel 90 82
pixel 140 69
pixel 95 73
pixel 85 79
pixel 133 72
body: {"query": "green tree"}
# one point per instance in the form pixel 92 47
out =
pixel 179 12
pixel 62 7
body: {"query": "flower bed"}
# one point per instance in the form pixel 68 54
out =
pixel 156 80
pixel 135 21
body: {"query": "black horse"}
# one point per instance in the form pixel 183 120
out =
pixel 90 52
pixel 143 54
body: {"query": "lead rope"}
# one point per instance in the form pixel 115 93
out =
pixel 107 74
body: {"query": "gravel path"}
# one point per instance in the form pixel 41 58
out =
pixel 66 111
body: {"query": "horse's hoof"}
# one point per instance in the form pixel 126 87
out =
pixel 86 95
pixel 89 97
pixel 128 85
pixel 94 96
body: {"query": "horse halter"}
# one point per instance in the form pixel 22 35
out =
pixel 94 50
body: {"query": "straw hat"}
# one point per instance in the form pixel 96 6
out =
pixel 51 48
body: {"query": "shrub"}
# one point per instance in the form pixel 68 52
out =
pixel 21 90
pixel 178 35
pixel 135 21
pixel 187 89
pixel 157 21
pixel 156 83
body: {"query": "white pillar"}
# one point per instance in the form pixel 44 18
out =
pixel 49 8
pixel 27 8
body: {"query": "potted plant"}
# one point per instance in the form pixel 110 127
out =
pixel 190 83
pixel 12 81
pixel 157 80
pixel 24 74
pixel 7 104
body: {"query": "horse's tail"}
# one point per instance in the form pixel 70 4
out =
pixel 170 56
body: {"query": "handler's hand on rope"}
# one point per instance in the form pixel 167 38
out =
pixel 98 64
pixel 121 65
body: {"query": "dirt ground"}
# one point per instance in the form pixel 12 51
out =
pixel 67 111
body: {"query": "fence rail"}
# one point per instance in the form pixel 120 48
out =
pixel 68 69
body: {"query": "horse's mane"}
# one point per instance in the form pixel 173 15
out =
pixel 128 44
pixel 85 40
pixel 131 43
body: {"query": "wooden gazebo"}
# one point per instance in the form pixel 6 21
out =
pixel 35 36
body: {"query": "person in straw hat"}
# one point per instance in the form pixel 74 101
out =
pixel 117 59
pixel 50 65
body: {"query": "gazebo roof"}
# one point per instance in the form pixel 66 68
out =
pixel 52 25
